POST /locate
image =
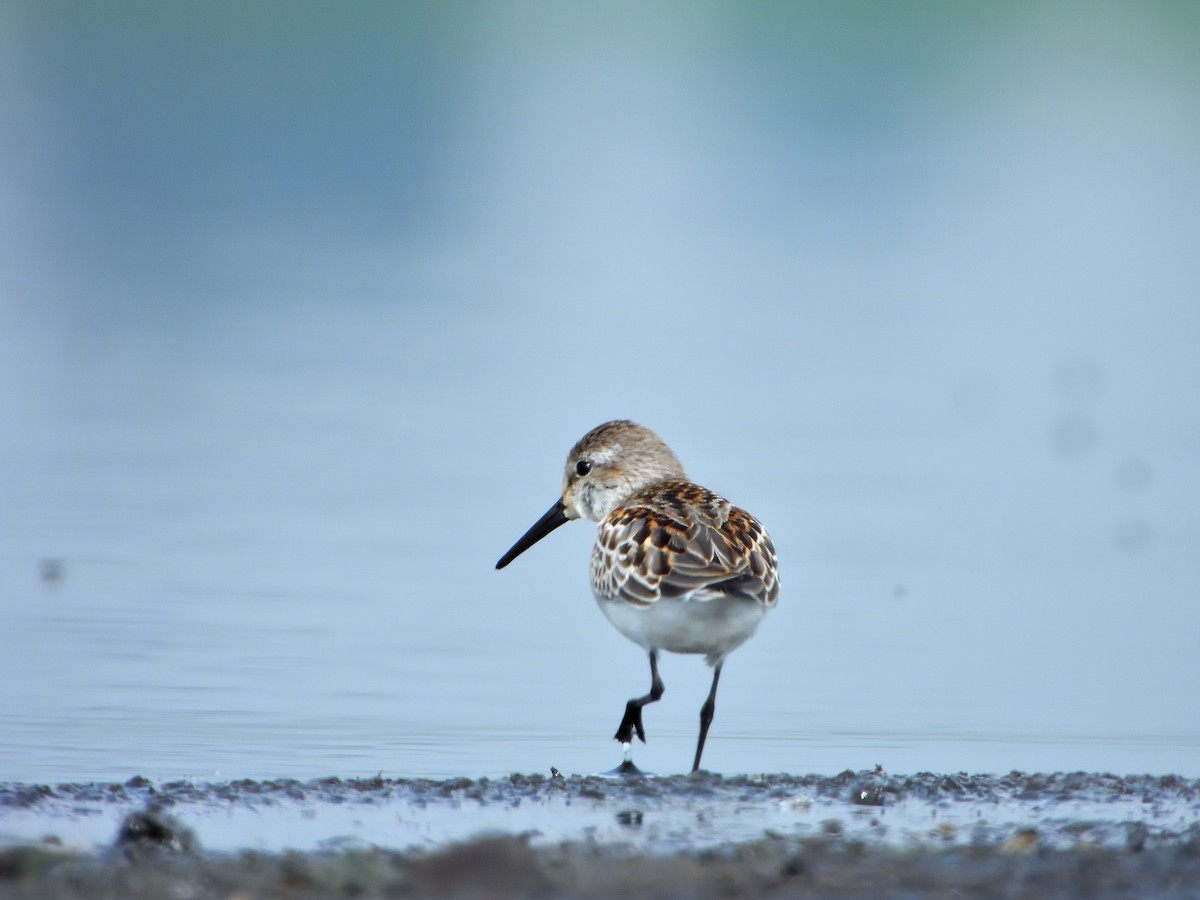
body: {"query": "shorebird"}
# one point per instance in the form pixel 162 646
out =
pixel 675 567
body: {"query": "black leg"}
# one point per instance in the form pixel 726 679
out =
pixel 706 714
pixel 633 709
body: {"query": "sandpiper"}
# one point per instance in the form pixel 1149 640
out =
pixel 675 567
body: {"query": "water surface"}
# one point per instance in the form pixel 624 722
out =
pixel 291 353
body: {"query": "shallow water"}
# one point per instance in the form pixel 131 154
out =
pixel 658 815
pixel 854 835
pixel 267 422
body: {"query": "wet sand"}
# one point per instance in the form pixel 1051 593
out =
pixel 851 835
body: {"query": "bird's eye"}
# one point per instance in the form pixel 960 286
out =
pixel 583 467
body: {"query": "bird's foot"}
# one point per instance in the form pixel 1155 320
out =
pixel 631 723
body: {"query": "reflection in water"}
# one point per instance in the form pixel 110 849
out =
pixel 630 818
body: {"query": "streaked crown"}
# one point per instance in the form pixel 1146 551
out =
pixel 611 462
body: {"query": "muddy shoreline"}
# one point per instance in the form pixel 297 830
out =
pixel 848 835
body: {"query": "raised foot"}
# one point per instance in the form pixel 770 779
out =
pixel 631 723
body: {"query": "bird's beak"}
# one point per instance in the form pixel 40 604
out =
pixel 555 516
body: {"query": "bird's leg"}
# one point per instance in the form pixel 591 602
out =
pixel 706 715
pixel 633 709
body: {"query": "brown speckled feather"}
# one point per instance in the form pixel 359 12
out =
pixel 675 539
pixel 675 568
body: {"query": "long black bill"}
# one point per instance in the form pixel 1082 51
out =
pixel 555 516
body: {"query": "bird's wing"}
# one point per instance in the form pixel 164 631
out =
pixel 644 554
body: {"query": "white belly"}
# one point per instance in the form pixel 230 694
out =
pixel 713 627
